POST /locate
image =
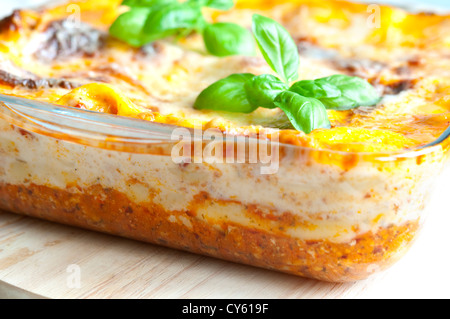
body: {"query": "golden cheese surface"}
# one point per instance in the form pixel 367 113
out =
pixel 64 55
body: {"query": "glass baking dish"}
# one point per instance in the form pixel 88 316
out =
pixel 327 215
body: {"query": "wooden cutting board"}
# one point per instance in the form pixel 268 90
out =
pixel 42 259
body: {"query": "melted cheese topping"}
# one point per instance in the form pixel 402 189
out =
pixel 50 56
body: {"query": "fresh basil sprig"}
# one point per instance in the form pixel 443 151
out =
pixel 277 47
pixel 151 20
pixel 315 89
pixel 216 4
pixel 173 18
pixel 227 95
pixel 339 92
pixel 305 103
pixel 145 3
pixel 263 89
pixel 306 114
pixel 224 39
pixel 129 26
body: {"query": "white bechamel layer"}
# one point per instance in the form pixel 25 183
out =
pixel 340 204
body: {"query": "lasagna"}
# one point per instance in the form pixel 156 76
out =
pixel 346 201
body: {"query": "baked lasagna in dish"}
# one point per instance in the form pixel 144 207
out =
pixel 344 202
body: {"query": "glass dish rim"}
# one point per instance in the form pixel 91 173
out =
pixel 159 128
pixel 160 133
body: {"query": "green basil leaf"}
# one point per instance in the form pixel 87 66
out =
pixel 216 4
pixel 306 114
pixel 225 39
pixel 128 27
pixel 263 89
pixel 277 47
pixel 355 92
pixel 146 3
pixel 314 89
pixel 226 95
pixel 172 19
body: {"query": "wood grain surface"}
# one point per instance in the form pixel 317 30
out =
pixel 37 258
